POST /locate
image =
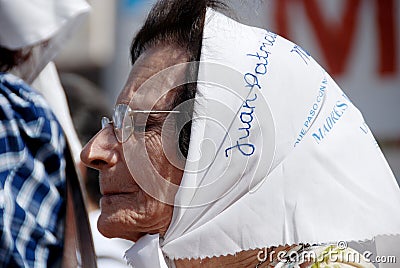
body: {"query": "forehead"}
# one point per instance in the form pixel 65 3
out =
pixel 154 74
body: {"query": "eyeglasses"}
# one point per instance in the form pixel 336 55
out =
pixel 124 121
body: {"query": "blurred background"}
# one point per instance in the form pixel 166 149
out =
pixel 356 41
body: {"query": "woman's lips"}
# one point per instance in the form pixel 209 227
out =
pixel 112 198
pixel 111 193
pixel 107 188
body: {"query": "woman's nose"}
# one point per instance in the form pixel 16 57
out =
pixel 101 150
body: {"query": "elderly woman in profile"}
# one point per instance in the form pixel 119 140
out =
pixel 231 147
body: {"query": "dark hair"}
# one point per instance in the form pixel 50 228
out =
pixel 177 22
pixel 11 58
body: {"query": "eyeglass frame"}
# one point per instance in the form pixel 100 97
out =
pixel 122 139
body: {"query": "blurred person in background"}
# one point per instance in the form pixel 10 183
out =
pixel 87 105
pixel 43 222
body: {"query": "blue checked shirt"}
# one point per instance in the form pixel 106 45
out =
pixel 32 178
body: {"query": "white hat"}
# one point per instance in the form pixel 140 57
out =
pixel 28 23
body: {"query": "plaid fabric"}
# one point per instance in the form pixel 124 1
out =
pixel 32 178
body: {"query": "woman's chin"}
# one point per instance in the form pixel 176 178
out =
pixel 112 226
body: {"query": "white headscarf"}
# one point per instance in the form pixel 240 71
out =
pixel 278 155
pixel 25 24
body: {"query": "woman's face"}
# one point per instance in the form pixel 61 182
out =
pixel 145 159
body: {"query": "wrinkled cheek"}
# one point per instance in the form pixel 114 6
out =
pixel 163 158
pixel 155 152
pixel 144 156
